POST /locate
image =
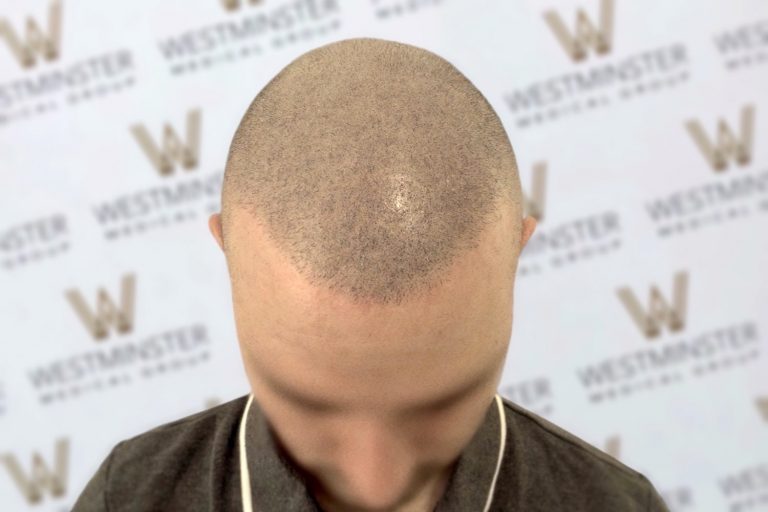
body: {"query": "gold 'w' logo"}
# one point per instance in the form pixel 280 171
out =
pixel 727 145
pixel 37 41
pixel 42 478
pixel 659 311
pixel 533 204
pixel 107 313
pixel 212 402
pixel 613 446
pixel 232 5
pixel 762 406
pixel 586 34
pixel 172 147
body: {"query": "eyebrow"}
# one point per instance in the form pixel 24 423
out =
pixel 327 405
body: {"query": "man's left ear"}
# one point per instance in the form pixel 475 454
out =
pixel 529 225
pixel 214 224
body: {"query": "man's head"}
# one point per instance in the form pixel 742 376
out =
pixel 372 222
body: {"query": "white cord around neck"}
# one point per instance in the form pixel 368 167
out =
pixel 245 477
pixel 502 445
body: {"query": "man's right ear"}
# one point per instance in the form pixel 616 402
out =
pixel 214 224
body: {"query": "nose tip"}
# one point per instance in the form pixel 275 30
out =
pixel 377 473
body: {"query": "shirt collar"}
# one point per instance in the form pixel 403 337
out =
pixel 276 485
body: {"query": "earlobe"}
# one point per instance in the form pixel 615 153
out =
pixel 529 225
pixel 214 225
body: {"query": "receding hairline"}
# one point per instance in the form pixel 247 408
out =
pixel 372 164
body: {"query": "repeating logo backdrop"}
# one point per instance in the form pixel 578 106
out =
pixel 640 129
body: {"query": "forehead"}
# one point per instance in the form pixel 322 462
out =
pixel 380 366
pixel 320 344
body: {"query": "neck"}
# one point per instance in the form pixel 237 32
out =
pixel 424 500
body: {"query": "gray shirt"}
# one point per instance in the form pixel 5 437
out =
pixel 192 464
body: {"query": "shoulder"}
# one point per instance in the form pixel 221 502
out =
pixel 187 445
pixel 185 452
pixel 189 433
pixel 541 432
pixel 566 471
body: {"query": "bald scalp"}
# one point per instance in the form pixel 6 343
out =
pixel 372 165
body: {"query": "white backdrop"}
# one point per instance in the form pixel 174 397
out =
pixel 641 305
